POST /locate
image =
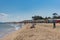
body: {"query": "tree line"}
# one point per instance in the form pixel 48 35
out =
pixel 55 16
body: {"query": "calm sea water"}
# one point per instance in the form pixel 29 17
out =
pixel 8 28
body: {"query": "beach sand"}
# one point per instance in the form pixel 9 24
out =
pixel 42 31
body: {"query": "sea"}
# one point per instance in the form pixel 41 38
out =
pixel 9 28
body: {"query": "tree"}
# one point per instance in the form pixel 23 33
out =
pixel 46 18
pixel 58 17
pixel 49 17
pixel 55 15
pixel 37 17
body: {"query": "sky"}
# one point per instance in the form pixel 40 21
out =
pixel 18 10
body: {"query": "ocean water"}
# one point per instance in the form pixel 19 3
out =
pixel 8 28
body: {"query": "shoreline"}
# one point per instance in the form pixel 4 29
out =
pixel 14 28
pixel 40 32
pixel 7 33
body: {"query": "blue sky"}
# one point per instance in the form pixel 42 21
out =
pixel 17 10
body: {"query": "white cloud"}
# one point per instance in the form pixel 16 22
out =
pixel 8 18
pixel 3 14
pixel 3 17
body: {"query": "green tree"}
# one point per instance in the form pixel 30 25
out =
pixel 47 18
pixel 58 17
pixel 37 17
pixel 55 15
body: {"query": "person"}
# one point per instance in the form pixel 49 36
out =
pixel 54 24
pixel 33 25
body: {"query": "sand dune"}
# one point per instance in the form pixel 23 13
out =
pixel 42 31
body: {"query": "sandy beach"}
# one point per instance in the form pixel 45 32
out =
pixel 42 31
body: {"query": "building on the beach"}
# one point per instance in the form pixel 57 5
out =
pixel 41 21
pixel 33 21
